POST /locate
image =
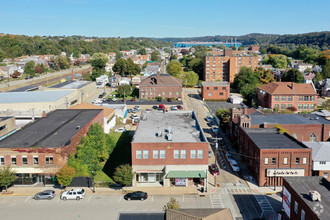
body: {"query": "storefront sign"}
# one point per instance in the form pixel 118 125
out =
pixel 286 201
pixel 285 172
pixel 180 182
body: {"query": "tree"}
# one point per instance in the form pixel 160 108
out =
pixel 189 78
pixel 38 69
pixel 278 61
pixel 197 65
pixel 167 50
pixel 124 90
pixel 155 56
pixel 174 68
pixel 223 115
pixel 29 68
pixel 265 76
pixel 120 67
pixel 98 62
pixel 124 174
pixel 76 54
pixel 293 75
pixel 16 74
pixel 142 51
pixel 326 69
pixel 65 175
pixel 7 176
pixel 185 61
pixel 172 204
pixel 173 57
pixel 326 104
pixel 63 62
pixel 317 78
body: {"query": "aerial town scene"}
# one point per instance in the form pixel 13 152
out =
pixel 173 110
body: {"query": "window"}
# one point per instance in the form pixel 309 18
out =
pixel 325 174
pixel 311 106
pixel 176 154
pixel 283 106
pixel 283 98
pixel 139 154
pixel 162 154
pixel 35 160
pixel 49 160
pixel 305 98
pixel 177 93
pixel 305 106
pixel 13 160
pixel 145 154
pixel 322 162
pixel 170 93
pixel 273 160
pixel 3 127
pixel 24 160
pixel 193 154
pixel 297 160
pixel 276 98
pixel 276 106
pixel 300 98
pixel 2 160
pixel 285 161
pixel 155 154
pixel 220 93
pixel 223 88
pixel 215 88
pixel 289 106
pixel 300 106
pixel 266 160
pixel 163 93
pixel 296 207
pixel 209 94
pixel 312 137
pixel 311 98
pixel 289 98
pixel 183 154
pixel 304 160
pixel 200 154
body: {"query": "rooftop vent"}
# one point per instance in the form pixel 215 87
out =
pixel 159 134
pixel 169 137
pixel 315 195
pixel 78 127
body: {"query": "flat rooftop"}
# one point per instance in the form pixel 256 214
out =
pixel 288 119
pixel 302 186
pixel 182 125
pixel 36 96
pixel 221 83
pixel 70 85
pixel 54 130
pixel 269 138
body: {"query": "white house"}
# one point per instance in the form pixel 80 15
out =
pixel 102 81
pixel 320 157
pixel 125 81
pixel 303 66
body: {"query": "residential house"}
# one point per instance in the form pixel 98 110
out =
pixel 114 80
pixel 308 78
pixel 125 81
pixel 325 87
pixel 136 80
pixel 303 66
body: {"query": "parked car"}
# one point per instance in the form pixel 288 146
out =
pixel 73 194
pixel 124 100
pixel 229 156
pixel 173 108
pixel 179 107
pixel 170 100
pixel 214 169
pixel 155 107
pixel 97 101
pixel 137 195
pixel 234 165
pixel 133 99
pixel 209 118
pixel 114 99
pixel 210 153
pixel 133 116
pixel 129 110
pixel 47 194
pixel 137 107
pixel 102 95
pixel 120 130
pixel 215 129
pixel 161 106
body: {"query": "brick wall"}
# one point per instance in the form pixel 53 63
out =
pixel 159 90
pixel 215 93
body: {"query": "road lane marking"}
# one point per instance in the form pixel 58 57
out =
pixel 119 198
pixel 89 198
pixel 58 199
pixel 27 199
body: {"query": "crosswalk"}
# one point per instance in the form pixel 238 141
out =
pixel 216 201
pixel 235 190
pixel 264 204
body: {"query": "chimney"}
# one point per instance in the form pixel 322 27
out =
pixel 44 114
pixel 292 85
pixel 72 75
pixel 158 76
pixel 244 110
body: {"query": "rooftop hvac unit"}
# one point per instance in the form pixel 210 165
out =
pixel 315 195
pixel 169 137
pixel 159 133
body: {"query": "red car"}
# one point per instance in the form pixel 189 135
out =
pixel 214 169
pixel 133 99
pixel 179 107
pixel 161 106
pixel 124 100
pixel 169 99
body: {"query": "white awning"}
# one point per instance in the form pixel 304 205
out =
pixel 149 171
pixel 34 170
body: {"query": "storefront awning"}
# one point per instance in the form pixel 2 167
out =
pixel 149 171
pixel 186 174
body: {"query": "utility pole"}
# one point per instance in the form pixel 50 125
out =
pixel 215 158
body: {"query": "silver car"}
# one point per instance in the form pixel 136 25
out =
pixel 47 194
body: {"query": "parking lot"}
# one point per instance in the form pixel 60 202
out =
pixel 91 207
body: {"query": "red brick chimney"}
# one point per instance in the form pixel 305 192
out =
pixel 44 114
pixel 292 85
pixel 245 111
pixel 72 75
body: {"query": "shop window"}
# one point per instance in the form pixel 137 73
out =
pixel 162 154
pixel 193 154
pixel 145 154
pixel 13 160
pixel 35 160
pixel 200 154
pixel 138 154
pixel 297 160
pixel 24 160
pixel 155 154
pixel 312 137
pixel 183 154
pixel 49 160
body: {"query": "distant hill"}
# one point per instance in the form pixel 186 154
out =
pixel 320 39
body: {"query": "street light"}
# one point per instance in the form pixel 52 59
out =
pixel 93 174
pixel 215 162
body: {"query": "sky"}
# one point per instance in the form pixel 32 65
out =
pixel 166 18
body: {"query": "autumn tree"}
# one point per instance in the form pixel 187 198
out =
pixel 7 176
pixel 172 204
pixel 65 175
pixel 124 174
pixel 265 76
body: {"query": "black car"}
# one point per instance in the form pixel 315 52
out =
pixel 102 95
pixel 155 107
pixel 137 195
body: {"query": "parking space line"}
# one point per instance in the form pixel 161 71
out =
pixel 183 198
pixel 27 199
pixel 58 199
pixel 89 198
pixel 119 198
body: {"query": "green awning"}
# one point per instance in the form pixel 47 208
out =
pixel 186 174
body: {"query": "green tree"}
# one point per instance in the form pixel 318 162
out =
pixel 174 68
pixel 326 69
pixel 173 57
pixel 223 115
pixel 167 50
pixel 189 79
pixel 197 66
pixel 124 174
pixel 124 90
pixel 76 54
pixel 29 68
pixel 317 78
pixel 142 51
pixel 326 104
pixel 119 55
pixel 7 176
pixel 293 75
pixel 278 61
pixel 185 61
pixel 120 67
pixel 98 62
pixel 65 175
pixel 63 62
pixel 155 56
pixel 172 204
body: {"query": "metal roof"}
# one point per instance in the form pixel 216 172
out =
pixel 320 150
pixel 287 119
pixel 36 96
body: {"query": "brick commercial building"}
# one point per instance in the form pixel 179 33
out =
pixel 215 90
pixel 226 67
pixel 169 149
pixel 306 198
pixel 288 95
pixel 321 158
pixel 160 85
pixel 303 127
pixel 271 156
pixel 40 149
